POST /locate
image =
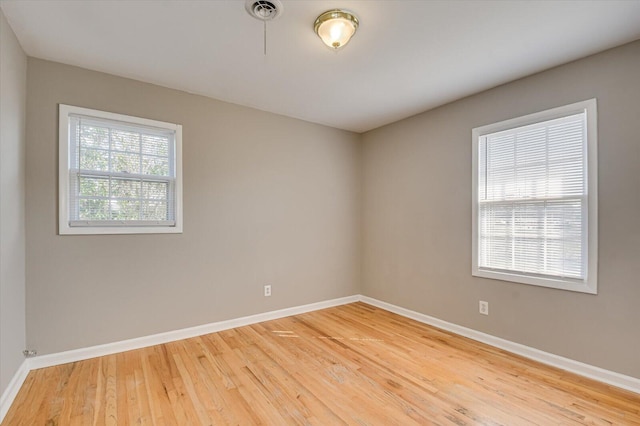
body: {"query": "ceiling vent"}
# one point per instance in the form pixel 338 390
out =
pixel 264 10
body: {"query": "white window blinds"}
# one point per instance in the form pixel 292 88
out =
pixel 532 200
pixel 535 199
pixel 120 173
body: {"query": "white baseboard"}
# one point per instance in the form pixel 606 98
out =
pixel 12 389
pixel 185 333
pixel 600 374
pixel 596 373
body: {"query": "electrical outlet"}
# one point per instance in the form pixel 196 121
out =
pixel 484 307
pixel 267 290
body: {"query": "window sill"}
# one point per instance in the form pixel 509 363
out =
pixel 589 286
pixel 65 229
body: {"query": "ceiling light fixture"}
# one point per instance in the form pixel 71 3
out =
pixel 336 27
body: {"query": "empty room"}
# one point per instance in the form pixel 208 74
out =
pixel 280 212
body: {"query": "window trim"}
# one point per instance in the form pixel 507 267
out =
pixel 590 283
pixel 64 163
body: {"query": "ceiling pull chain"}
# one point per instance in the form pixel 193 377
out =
pixel 264 10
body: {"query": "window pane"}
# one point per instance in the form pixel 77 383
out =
pixel 155 166
pixel 154 210
pixel 92 159
pixel 531 148
pixel 155 190
pixel 155 145
pixel 566 178
pixel 531 182
pixel 93 186
pixel 501 184
pixel 125 163
pixel 94 137
pixel 529 237
pixel 125 141
pixel 496 223
pixel 89 209
pixel 125 209
pixel 564 228
pixel 125 188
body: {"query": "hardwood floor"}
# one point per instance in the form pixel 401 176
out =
pixel 354 364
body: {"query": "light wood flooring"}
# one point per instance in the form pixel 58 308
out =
pixel 353 364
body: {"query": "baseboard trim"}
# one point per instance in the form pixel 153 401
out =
pixel 185 333
pixel 600 374
pixel 12 389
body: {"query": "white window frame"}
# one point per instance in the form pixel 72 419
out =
pixel 115 227
pixel 590 282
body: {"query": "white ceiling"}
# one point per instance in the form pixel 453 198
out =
pixel 407 56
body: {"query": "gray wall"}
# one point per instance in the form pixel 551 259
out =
pixel 417 217
pixel 267 200
pixel 13 89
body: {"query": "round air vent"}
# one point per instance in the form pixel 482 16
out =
pixel 264 10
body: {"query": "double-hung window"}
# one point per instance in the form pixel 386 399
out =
pixel 535 199
pixel 118 174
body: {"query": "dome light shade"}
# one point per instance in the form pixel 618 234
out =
pixel 336 27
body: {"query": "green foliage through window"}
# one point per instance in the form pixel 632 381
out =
pixel 121 174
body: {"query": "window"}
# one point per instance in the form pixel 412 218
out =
pixel 118 174
pixel 535 199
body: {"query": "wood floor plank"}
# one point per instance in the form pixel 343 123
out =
pixel 353 365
